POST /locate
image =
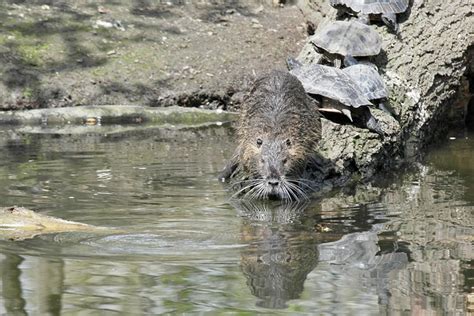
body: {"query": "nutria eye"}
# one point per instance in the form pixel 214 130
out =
pixel 288 142
pixel 259 142
pixel 284 161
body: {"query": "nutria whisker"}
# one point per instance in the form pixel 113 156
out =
pixel 253 191
pixel 256 192
pixel 297 191
pixel 288 192
pixel 251 186
pixel 306 183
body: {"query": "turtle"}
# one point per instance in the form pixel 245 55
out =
pixel 385 10
pixel 371 83
pixel 339 93
pixel 341 41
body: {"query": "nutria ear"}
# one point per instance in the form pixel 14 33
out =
pixel 229 169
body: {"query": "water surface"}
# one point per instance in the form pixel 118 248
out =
pixel 184 247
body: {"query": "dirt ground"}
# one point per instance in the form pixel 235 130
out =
pixel 191 53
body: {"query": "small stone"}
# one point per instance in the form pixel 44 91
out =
pixel 104 24
pixel 111 52
pixel 258 10
pixel 102 10
pixel 118 25
pixel 45 7
pixel 91 121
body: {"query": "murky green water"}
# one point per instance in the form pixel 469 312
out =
pixel 406 248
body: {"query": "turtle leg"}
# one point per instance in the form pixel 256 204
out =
pixel 386 107
pixel 337 62
pixel 374 126
pixel 364 18
pixel 292 63
pixel 365 119
pixel 350 61
pixel 390 19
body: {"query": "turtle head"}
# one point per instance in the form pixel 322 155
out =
pixel 391 21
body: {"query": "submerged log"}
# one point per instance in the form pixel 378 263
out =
pixel 19 223
pixel 424 66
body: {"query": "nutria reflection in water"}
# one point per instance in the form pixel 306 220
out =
pixel 279 256
pixel 278 130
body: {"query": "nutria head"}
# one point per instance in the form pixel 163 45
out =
pixel 279 128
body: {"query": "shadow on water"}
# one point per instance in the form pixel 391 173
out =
pixel 48 300
pixel 14 302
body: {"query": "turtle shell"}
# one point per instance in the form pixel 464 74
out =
pixel 373 6
pixel 331 83
pixel 347 38
pixel 369 81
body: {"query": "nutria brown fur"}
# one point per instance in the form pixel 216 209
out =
pixel 278 130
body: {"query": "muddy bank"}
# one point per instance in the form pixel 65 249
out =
pixel 68 53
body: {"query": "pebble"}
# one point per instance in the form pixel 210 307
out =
pixel 105 24
pixel 118 25
pixel 45 7
pixel 102 10
pixel 258 10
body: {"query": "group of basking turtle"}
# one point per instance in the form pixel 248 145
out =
pixel 279 128
pixel 344 80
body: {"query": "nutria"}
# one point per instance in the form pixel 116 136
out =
pixel 278 130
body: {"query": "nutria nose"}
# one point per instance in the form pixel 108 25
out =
pixel 273 182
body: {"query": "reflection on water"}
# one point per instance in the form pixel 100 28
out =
pixel 183 247
pixel 279 255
